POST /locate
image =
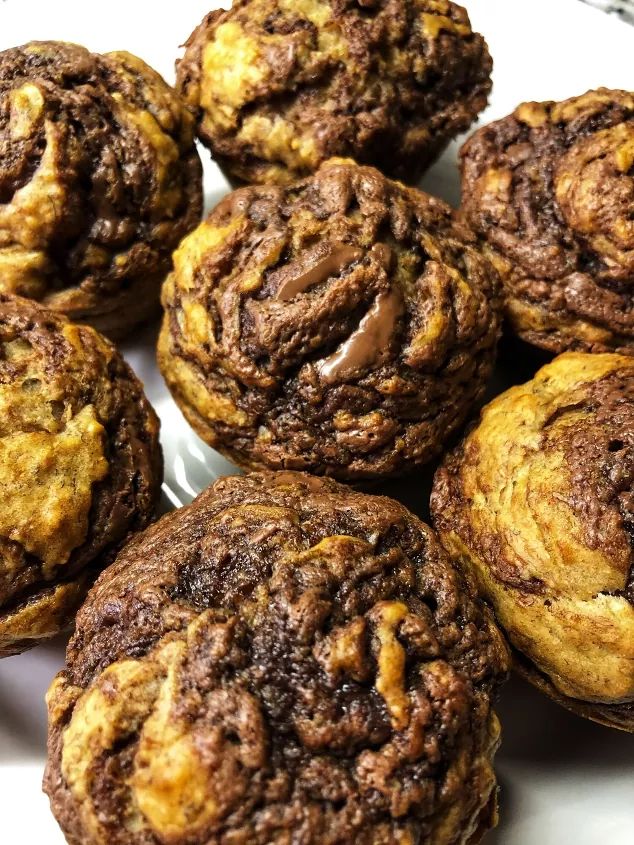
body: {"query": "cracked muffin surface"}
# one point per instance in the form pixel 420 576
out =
pixel 550 189
pixel 344 325
pixel 279 86
pixel 538 503
pixel 282 660
pixel 80 466
pixel 99 181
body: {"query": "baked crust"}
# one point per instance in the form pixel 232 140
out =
pixel 279 86
pixel 537 502
pixel 344 325
pixel 282 660
pixel 550 191
pixel 99 181
pixel 80 466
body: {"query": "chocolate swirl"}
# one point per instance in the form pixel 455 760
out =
pixel 80 466
pixel 551 191
pixel 99 180
pixel 280 86
pixel 539 502
pixel 344 325
pixel 283 660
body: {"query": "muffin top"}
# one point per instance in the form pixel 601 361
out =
pixel 80 464
pixel 280 86
pixel 99 180
pixel 284 659
pixel 550 189
pixel 344 324
pixel 538 499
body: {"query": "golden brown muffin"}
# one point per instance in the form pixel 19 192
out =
pixel 80 466
pixel 550 189
pixel 279 86
pixel 99 181
pixel 344 325
pixel 284 660
pixel 538 502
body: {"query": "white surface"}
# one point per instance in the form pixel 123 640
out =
pixel 564 781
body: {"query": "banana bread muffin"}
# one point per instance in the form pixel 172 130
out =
pixel 538 502
pixel 80 466
pixel 99 181
pixel 344 325
pixel 550 189
pixel 279 86
pixel 284 660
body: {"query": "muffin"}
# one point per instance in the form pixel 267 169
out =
pixel 550 191
pixel 284 660
pixel 279 86
pixel 538 503
pixel 80 466
pixel 99 181
pixel 344 325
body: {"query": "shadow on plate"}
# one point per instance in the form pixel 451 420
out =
pixel 24 680
pixel 540 736
pixel 538 732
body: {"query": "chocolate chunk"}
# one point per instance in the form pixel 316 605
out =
pixel 367 344
pixel 336 258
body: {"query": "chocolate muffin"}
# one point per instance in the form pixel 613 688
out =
pixel 538 502
pixel 99 181
pixel 343 325
pixel 80 466
pixel 284 660
pixel 550 190
pixel 279 86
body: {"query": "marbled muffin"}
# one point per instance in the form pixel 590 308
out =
pixel 344 325
pixel 99 181
pixel 550 189
pixel 284 660
pixel 80 466
pixel 279 86
pixel 538 502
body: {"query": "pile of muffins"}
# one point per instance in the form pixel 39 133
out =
pixel 291 658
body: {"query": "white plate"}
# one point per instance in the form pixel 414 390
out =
pixel 564 781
